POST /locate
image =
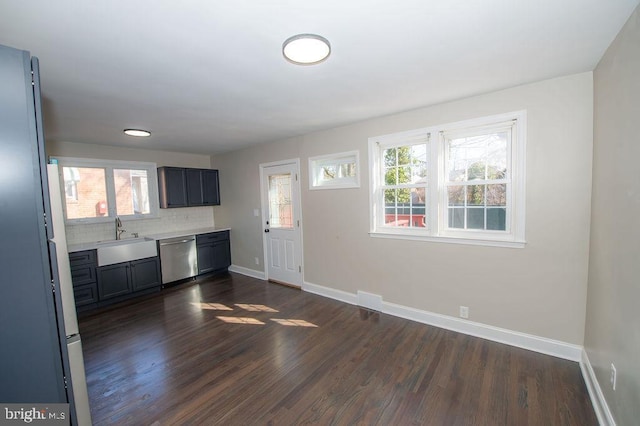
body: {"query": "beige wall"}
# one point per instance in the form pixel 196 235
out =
pixel 168 219
pixel 540 289
pixel 613 319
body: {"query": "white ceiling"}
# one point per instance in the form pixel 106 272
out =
pixel 208 76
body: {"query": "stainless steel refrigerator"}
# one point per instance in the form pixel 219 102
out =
pixel 40 347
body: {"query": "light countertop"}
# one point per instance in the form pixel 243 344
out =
pixel 94 244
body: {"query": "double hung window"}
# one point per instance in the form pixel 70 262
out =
pixel 461 182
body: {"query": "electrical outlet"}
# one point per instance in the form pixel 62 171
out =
pixel 614 373
pixel 257 261
pixel 464 312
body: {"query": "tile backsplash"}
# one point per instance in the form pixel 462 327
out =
pixel 168 220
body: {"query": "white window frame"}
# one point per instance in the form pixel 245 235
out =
pixel 109 166
pixel 436 213
pixel 315 169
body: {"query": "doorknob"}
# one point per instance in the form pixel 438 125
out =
pixel 266 230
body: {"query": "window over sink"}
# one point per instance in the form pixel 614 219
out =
pixel 99 190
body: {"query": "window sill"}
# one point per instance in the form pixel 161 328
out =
pixel 449 240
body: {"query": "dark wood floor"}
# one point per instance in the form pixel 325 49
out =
pixel 233 350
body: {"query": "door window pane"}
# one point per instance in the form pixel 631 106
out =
pixel 132 191
pixel 85 192
pixel 280 207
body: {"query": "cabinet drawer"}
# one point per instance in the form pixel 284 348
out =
pixel 82 258
pixel 212 237
pixel 85 294
pixel 83 274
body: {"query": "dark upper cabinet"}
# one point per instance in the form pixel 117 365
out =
pixel 210 188
pixel 194 187
pixel 180 187
pixel 172 184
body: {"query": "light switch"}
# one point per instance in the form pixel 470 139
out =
pixel 256 212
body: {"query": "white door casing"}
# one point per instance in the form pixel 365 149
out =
pixel 281 221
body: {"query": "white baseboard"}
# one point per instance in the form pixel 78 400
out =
pixel 370 301
pixel 600 406
pixel 331 293
pixel 502 335
pixel 514 338
pixel 248 272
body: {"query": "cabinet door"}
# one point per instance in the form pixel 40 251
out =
pixel 221 255
pixel 83 267
pixel 83 274
pixel 113 280
pixel 145 273
pixel 85 257
pixel 194 187
pixel 172 183
pixel 210 188
pixel 85 294
pixel 205 258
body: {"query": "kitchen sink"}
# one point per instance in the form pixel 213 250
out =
pixel 118 251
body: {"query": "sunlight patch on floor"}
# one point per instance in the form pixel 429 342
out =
pixel 255 308
pixel 212 306
pixel 240 320
pixel 294 322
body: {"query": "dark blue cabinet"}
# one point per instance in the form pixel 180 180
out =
pixel 128 279
pixel 214 252
pixel 185 187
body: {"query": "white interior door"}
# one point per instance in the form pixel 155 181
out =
pixel 281 222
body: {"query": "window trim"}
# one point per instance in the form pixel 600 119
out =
pixel 436 212
pixel 109 166
pixel 339 158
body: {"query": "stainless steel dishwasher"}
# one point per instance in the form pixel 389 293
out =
pixel 178 258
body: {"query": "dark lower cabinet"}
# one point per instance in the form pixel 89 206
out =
pixel 85 294
pixel 205 258
pixel 214 252
pixel 95 286
pixel 83 275
pixel 145 273
pixel 128 278
pixel 221 255
pixel 114 280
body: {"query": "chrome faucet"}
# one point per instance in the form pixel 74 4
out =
pixel 119 230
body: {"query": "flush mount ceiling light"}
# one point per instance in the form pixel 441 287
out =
pixel 137 132
pixel 306 49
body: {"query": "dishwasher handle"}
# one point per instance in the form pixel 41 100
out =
pixel 177 241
